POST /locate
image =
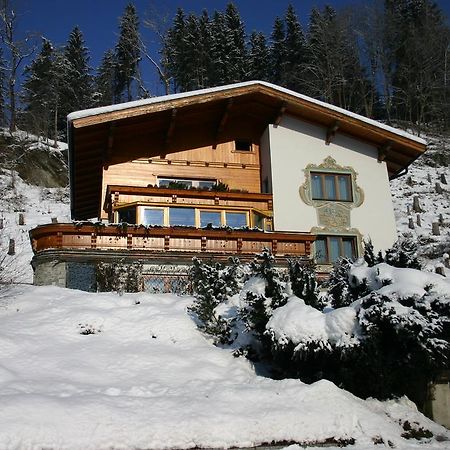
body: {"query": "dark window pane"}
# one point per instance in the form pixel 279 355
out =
pixel 321 252
pixel 153 217
pixel 330 187
pixel 243 145
pixel 258 221
pixel 344 187
pixel 334 250
pixel 236 220
pixel 182 216
pixel 127 215
pixel 210 217
pixel 348 248
pixel 316 186
pixel 206 184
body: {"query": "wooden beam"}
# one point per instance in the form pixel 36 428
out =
pixel 109 145
pixel 223 122
pixel 280 114
pixel 331 132
pixel 383 150
pixel 170 132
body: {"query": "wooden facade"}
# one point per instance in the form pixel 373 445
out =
pixel 202 127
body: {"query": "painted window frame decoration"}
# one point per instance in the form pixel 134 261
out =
pixel 333 215
pixel 330 167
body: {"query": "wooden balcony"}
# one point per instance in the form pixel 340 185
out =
pixel 131 239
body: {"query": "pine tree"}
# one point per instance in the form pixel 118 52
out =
pixel 78 74
pixel 419 45
pixel 258 58
pixel 174 51
pixel 235 48
pixel 295 52
pixel 277 51
pixel 369 255
pixel 219 48
pixel 39 92
pixel 212 285
pixel 105 81
pixel 128 52
pixel 304 282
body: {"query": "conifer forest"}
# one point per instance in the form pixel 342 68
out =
pixel 388 60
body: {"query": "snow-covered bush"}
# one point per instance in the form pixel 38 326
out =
pixel 403 254
pixel 119 277
pixel 212 284
pixel 342 288
pixel 302 274
pixel 259 306
pixel 390 342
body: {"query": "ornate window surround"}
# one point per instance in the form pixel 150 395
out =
pixel 333 216
pixel 329 165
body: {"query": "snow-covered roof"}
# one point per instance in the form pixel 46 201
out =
pixel 165 98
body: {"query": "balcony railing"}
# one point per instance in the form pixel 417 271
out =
pixel 68 236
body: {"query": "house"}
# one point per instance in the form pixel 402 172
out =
pixel 219 172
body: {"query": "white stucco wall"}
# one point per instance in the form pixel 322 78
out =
pixel 293 145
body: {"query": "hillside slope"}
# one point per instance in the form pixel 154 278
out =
pixel 428 179
pixel 97 371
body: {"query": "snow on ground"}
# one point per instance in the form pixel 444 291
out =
pixel 97 371
pixel 423 179
pixel 39 205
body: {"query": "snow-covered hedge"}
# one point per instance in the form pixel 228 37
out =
pixel 384 332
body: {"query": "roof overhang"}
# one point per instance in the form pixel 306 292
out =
pixel 153 127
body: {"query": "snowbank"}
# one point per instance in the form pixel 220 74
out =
pixel 302 324
pixel 96 371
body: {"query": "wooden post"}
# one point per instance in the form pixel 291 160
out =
pixel 441 220
pixel 411 223
pixel 1 224
pixel 21 219
pixel 438 188
pixel 435 229
pixel 429 178
pixel 409 181
pixel 443 179
pixel 408 209
pixel 12 247
pixel 416 204
pixel 418 220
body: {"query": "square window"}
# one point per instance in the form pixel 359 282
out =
pixel 236 219
pixel 242 145
pixel 328 249
pixel 331 186
pixel 182 217
pixel 153 216
pixel 211 218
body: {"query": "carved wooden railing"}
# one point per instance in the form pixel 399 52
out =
pixel 90 236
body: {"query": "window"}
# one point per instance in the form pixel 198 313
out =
pixel 153 216
pixel 242 145
pixel 182 217
pixel 236 219
pixel 212 218
pixel 328 249
pixel 178 183
pixel 331 186
pixel 127 215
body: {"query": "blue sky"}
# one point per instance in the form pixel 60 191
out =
pixel 98 19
